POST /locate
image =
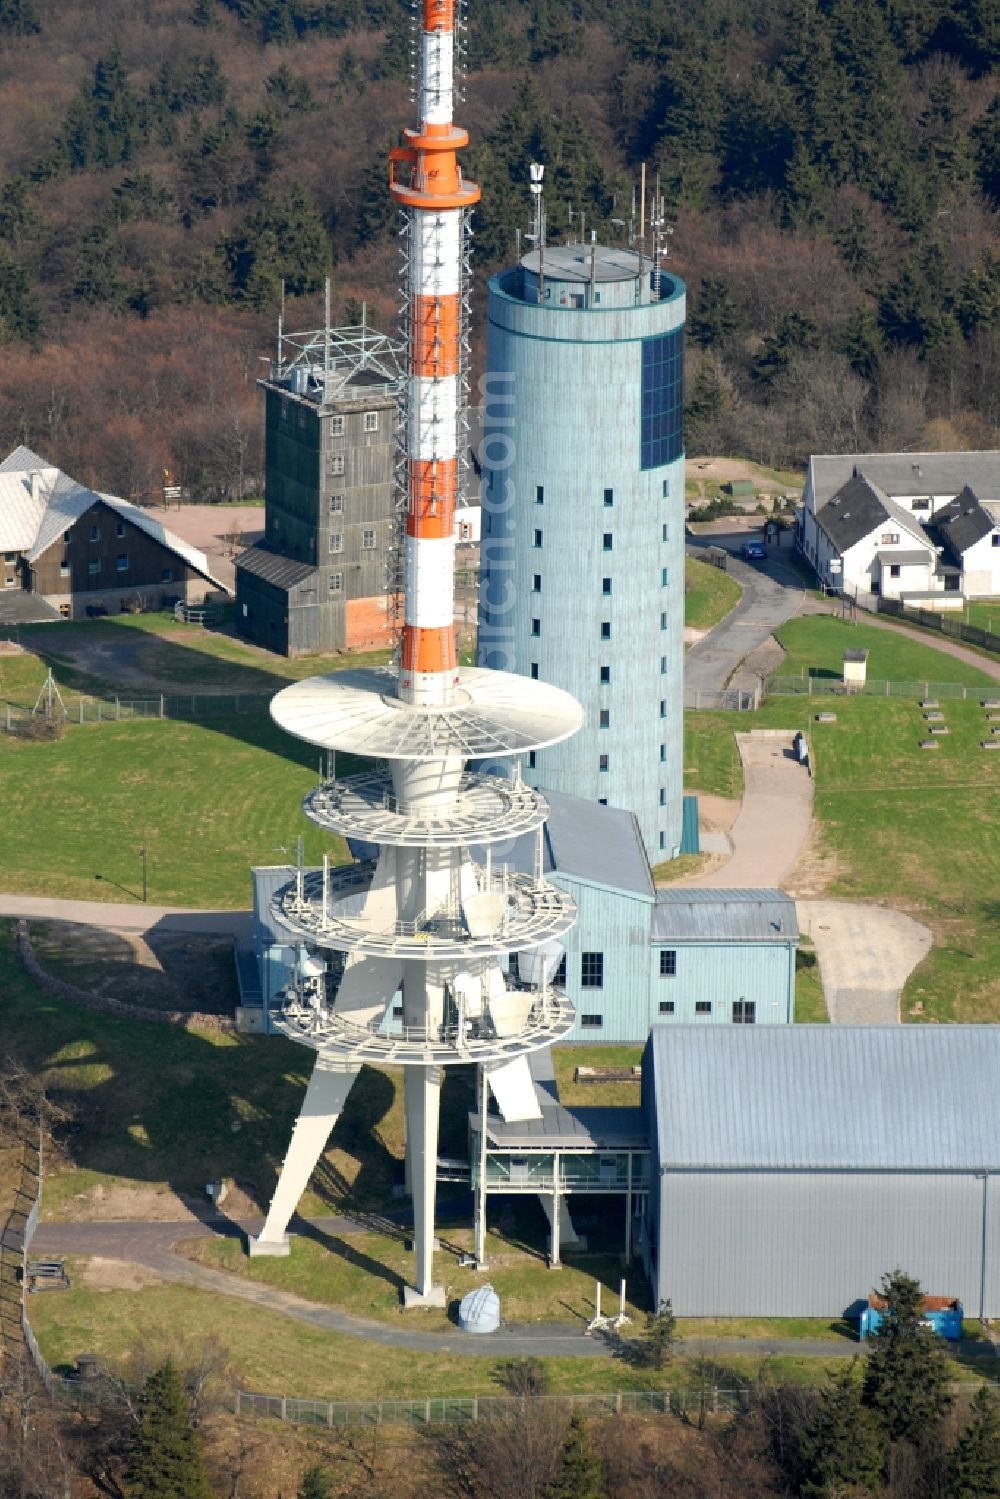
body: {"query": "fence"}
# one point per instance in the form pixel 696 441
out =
pixel 930 619
pixel 779 686
pixel 185 706
pixel 436 1411
pixel 731 699
pixel 14 1245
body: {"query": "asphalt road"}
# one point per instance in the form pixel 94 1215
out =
pixel 772 593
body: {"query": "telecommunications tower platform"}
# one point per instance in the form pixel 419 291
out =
pixel 424 918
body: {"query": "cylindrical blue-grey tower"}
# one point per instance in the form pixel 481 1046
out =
pixel 582 580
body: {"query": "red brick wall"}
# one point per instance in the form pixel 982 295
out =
pixel 368 624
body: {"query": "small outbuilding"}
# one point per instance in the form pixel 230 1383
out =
pixel 792 1166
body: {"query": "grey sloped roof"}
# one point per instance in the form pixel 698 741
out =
pixel 21 461
pixel 18 607
pixel 585 841
pixel 906 559
pixel 858 508
pixel 261 561
pixel 959 525
pixel 827 1097
pixel 722 915
pixel 908 473
pixel 20 511
pixel 587 1128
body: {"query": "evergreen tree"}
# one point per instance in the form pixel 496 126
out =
pixel 20 313
pixel 716 318
pixel 282 239
pixel 979 295
pixel 856 244
pixel 844 1447
pixel 166 1462
pixel 906 1375
pixel 975 1462
pixel 987 138
pixel 793 334
pixel 579 1475
pixel 203 14
pixel 315 1484
pixel 19 17
pixel 916 306
pixel 661 1330
pixel 862 342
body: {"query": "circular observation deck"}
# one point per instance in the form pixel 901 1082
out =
pixel 550 1018
pixel 493 713
pixel 533 913
pixel 488 809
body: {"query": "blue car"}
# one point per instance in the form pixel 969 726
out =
pixel 754 551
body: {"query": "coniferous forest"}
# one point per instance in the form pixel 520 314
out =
pixel 831 170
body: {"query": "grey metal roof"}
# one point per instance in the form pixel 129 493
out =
pixel 20 511
pixel 959 525
pixel 858 508
pixel 825 1097
pixel 267 881
pixel 263 562
pixel 682 915
pixel 909 474
pixel 22 460
pixel 573 263
pixel 578 1129
pixel 585 841
pixel 905 559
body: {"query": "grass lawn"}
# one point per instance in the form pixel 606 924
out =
pixel 365 1273
pixel 709 594
pixel 568 1058
pixel 810 1003
pixel 814 645
pixel 677 871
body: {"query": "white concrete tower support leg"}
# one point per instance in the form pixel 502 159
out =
pixel 325 1098
pixel 422 1087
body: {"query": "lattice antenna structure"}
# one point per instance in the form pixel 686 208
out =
pixel 49 703
pixel 417 942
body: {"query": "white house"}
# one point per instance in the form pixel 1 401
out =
pixel 924 528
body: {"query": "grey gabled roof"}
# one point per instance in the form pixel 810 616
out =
pixel 858 508
pixel 261 561
pixel 826 1097
pixel 906 559
pixel 960 524
pixel 908 473
pixel 22 460
pixel 588 842
pixel 683 915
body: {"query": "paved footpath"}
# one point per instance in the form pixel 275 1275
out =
pixel 866 953
pixel 134 917
pixel 774 816
pixel 151 1246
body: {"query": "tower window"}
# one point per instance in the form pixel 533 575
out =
pixel 605 718
pixel 609 497
pixel 539 494
pixel 537 539
pixel 664 575
pixel 604 763
pixel 605 629
pixel 666 1007
pixel 336 582
pixel 336 504
pixel 663 666
pixel 663 797
pixel 665 533
pixel 531 759
pixel 666 489
pixel 703 1007
pixel 668 963
pixel 663 841
pixel 536 583
pixel 607 541
pixel 592 970
pixel 534 671
pixel 663 707
pixel 337 463
pixel 663 620
pixel 371 421
pixel 336 541
pixel 605 675
pixel 336 426
pixel 605 586
pixel 663 752
pixel 369 539
pixel 591 1022
pixel 536 627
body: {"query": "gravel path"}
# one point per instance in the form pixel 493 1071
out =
pixel 866 953
pixel 774 818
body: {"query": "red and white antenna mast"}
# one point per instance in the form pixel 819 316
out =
pixel 436 200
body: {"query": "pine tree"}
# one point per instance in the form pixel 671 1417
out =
pixel 975 1462
pixel 166 1462
pixel 716 318
pixel 20 313
pixel 906 1377
pixel 844 1447
pixel 203 14
pixel 19 17
pixel 661 1329
pixel 862 342
pixel 315 1484
pixel 579 1475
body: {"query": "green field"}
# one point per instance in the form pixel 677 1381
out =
pixel 984 614
pixel 814 646
pixel 709 594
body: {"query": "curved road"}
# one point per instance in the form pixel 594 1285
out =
pixel 766 603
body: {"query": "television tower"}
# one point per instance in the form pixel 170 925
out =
pixel 423 919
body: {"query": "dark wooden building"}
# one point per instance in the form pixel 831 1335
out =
pixel 68 551
pixel 322 577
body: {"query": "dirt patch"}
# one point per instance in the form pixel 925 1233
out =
pixel 816 867
pixel 138 662
pixel 160 970
pixel 116 1275
pixel 724 469
pixel 118 1204
pixel 716 814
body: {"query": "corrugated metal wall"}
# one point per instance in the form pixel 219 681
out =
pixel 563 412
pixel 804 1244
pixel 716 973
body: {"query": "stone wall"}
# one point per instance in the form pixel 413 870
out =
pixel 190 1020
